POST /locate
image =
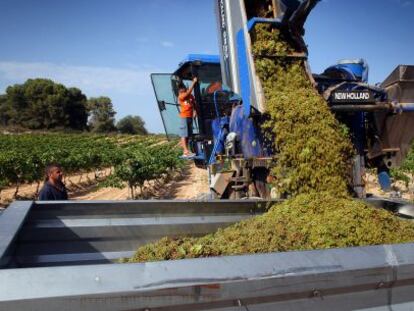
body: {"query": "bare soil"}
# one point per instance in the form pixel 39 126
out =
pixel 190 183
pixel 399 189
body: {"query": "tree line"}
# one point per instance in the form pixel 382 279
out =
pixel 41 104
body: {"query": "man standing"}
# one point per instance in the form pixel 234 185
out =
pixel 53 188
pixel 187 112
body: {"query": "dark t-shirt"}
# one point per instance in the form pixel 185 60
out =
pixel 51 193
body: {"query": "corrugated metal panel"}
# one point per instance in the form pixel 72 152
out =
pixel 86 232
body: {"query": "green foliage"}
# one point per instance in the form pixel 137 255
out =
pixel 4 118
pixel 308 221
pixel 141 164
pixel 400 175
pixel 408 164
pixel 102 115
pixel 405 173
pixel 43 104
pixel 75 109
pixel 132 125
pixel 23 158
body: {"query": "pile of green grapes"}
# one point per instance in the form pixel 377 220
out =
pixel 308 221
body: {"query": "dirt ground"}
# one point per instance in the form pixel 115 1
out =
pixel 399 191
pixel 190 183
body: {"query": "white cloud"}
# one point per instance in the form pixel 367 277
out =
pixel 167 44
pixel 91 80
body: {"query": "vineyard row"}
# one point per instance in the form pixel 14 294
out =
pixel 23 158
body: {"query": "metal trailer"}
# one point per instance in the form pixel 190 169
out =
pixel 61 255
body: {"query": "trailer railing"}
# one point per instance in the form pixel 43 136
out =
pixel 359 278
pixel 36 234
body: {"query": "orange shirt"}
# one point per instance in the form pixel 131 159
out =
pixel 186 106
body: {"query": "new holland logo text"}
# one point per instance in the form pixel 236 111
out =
pixel 352 96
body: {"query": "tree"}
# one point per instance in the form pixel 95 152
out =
pixel 3 111
pixel 44 104
pixel 15 103
pixel 132 125
pixel 76 110
pixel 102 115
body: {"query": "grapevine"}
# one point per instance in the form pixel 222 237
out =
pixel 24 157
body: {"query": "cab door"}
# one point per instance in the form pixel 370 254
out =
pixel 167 103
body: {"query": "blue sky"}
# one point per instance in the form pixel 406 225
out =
pixel 109 48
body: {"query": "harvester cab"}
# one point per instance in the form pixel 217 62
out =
pixel 214 103
pixel 228 139
pixel 222 135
